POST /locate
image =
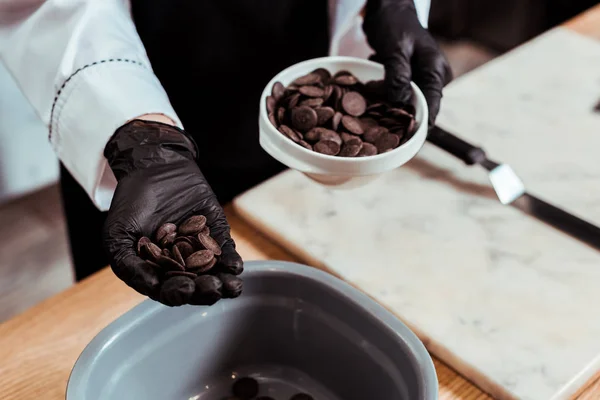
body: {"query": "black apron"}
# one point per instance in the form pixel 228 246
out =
pixel 214 58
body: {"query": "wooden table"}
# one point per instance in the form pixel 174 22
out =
pixel 39 347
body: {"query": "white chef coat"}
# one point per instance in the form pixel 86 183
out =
pixel 83 68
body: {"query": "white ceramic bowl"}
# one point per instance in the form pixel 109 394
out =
pixel 341 172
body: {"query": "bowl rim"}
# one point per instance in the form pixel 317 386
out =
pixel 418 94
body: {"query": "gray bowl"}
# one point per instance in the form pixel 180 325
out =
pixel 294 329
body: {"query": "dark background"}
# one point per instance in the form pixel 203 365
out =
pixel 500 25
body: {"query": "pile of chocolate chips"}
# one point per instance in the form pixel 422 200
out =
pixel 246 388
pixel 184 258
pixel 339 115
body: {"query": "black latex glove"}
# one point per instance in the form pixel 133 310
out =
pixel 407 51
pixel 158 182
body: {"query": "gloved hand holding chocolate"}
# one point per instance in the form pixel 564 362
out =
pixel 407 51
pixel 166 234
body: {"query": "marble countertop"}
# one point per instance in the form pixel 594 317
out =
pixel 506 300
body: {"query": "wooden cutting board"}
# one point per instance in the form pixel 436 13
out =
pixel 506 300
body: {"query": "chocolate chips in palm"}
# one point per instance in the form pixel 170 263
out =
pixel 337 115
pixel 186 260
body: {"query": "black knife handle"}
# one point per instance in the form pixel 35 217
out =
pixel 456 146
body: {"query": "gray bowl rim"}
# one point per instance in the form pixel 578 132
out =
pixel 405 337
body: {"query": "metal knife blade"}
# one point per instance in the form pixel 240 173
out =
pixel 506 183
pixel 559 219
pixel 511 190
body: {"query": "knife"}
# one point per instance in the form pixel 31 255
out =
pixel 511 191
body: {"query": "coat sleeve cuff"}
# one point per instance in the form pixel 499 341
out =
pixel 89 107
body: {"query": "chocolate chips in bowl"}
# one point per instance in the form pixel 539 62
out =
pixel 338 115
pixel 329 119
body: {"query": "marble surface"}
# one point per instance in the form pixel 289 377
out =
pixel 506 300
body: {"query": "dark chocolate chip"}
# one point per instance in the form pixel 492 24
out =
pixel 270 104
pixel 342 72
pixel 352 124
pixel 368 149
pixel 411 127
pixel 327 134
pixel 309 79
pixel 168 264
pixel 376 107
pixel 350 138
pixel 199 260
pixel 336 120
pixel 185 248
pixel 314 134
pixel 386 142
pixel 192 225
pixel 398 113
pixel 350 149
pixel 164 230
pixel 328 92
pixel 194 241
pixel 336 96
pixel 346 80
pixel 273 120
pixel 327 147
pixel 323 74
pixel 187 239
pixel 305 145
pixel 168 240
pixel 324 114
pixel 210 244
pixel 289 132
pixel 312 102
pixel 312 91
pixel 373 133
pixel 277 91
pixel 354 104
pixel 177 256
pixel 374 114
pixel 152 251
pixel 304 118
pixel 368 122
pixel 204 269
pixel 281 115
pixel 293 100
